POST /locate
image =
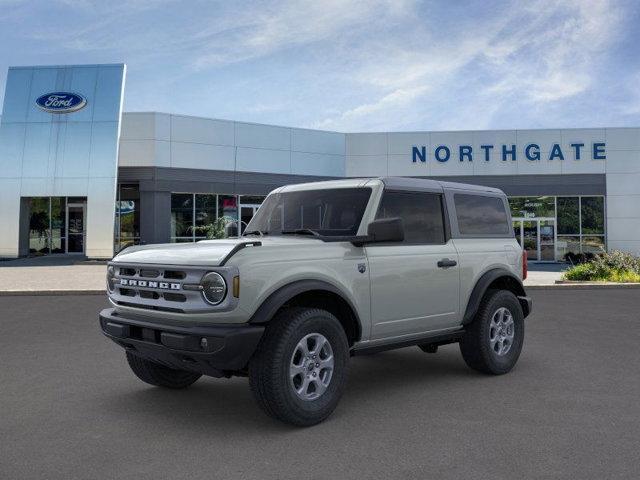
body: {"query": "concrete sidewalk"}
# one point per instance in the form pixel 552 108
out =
pixel 51 275
pixel 66 275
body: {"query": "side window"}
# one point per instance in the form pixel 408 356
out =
pixel 481 215
pixel 421 214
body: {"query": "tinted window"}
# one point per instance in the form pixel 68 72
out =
pixel 480 215
pixel 335 211
pixel 421 214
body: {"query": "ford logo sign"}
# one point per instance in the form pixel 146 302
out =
pixel 61 102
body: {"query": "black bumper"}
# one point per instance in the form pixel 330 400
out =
pixel 215 350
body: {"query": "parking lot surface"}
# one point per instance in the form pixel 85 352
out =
pixel 70 407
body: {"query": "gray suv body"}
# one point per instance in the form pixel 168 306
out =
pixel 323 272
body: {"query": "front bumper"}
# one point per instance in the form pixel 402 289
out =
pixel 216 350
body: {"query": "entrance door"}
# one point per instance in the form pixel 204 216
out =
pixel 75 227
pixel 537 236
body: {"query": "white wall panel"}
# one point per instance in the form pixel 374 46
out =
pixel 317 164
pixel 402 165
pixel 197 155
pixel 366 166
pixel 201 130
pixel 366 144
pixel 623 161
pixel 400 143
pixel 139 126
pixel 263 160
pixel 623 139
pixel 623 206
pixel 314 141
pixel 140 153
pixel 263 136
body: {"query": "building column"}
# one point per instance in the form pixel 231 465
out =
pixel 155 216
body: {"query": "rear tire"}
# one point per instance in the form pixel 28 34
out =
pixel 493 340
pixel 159 375
pixel 299 370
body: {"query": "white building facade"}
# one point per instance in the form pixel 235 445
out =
pixel 572 191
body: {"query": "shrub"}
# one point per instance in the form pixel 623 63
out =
pixel 614 266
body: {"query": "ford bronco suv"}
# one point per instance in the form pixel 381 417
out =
pixel 323 272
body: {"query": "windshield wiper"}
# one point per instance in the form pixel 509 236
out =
pixel 255 232
pixel 300 231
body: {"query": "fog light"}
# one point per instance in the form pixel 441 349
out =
pixel 214 288
pixel 204 343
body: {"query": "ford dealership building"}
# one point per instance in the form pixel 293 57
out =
pixel 79 176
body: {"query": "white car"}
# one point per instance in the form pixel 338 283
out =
pixel 323 272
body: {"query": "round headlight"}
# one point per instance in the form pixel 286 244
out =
pixel 214 288
pixel 111 273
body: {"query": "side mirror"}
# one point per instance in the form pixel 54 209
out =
pixel 386 230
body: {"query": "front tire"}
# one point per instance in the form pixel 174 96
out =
pixel 299 370
pixel 159 375
pixel 493 340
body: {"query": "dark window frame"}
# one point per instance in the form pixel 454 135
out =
pixel 446 227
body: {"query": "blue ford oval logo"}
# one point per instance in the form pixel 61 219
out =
pixel 61 102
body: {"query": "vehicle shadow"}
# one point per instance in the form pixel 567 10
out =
pixel 225 405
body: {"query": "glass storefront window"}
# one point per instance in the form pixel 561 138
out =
pixel 48 226
pixel 567 244
pixel 228 207
pixel 592 214
pixel 568 216
pixel 205 213
pixel 192 210
pixel 39 225
pixel 182 215
pixel 529 207
pixel 593 244
pixel 580 223
pixel 127 226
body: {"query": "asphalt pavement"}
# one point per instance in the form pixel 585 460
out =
pixel 71 409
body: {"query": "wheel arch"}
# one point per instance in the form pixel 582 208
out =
pixel 499 279
pixel 314 294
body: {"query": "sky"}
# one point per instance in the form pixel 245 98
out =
pixel 351 65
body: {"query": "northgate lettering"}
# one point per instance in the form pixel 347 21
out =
pixel 531 152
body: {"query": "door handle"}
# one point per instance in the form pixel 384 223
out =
pixel 446 263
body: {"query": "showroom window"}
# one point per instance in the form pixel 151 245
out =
pixel 56 225
pixel 127 219
pixel 580 220
pixel 191 211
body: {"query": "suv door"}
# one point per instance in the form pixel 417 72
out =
pixel 415 284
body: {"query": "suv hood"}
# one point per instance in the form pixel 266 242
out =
pixel 205 252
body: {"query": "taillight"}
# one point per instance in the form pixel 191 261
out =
pixel 525 268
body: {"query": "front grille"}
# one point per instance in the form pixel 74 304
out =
pixel 154 287
pixel 157 288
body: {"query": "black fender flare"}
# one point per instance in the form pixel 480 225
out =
pixel 482 285
pixel 277 299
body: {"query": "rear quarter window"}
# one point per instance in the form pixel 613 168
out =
pixel 479 215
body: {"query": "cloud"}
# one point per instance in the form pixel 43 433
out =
pixel 348 65
pixel 543 52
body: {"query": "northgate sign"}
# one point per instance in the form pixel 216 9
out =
pixel 532 152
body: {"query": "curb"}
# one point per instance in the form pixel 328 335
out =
pixel 22 293
pixel 583 286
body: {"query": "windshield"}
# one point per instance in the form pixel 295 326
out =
pixel 326 212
